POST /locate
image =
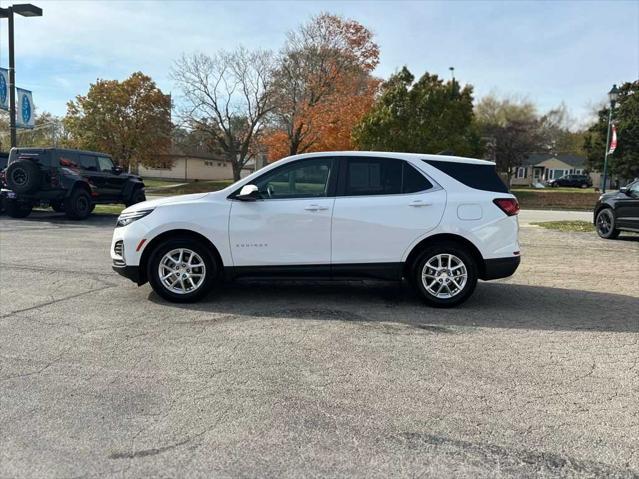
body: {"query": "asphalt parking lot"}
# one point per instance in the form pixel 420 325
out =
pixel 536 375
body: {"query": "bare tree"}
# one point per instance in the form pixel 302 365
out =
pixel 227 96
pixel 317 58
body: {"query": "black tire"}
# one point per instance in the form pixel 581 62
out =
pixel 137 196
pixel 78 205
pixel 57 206
pixel 23 176
pixel 450 276
pixel 605 224
pixel 16 209
pixel 211 269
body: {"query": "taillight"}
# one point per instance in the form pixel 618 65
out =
pixel 510 206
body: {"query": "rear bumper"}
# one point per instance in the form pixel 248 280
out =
pixel 500 267
pixel 130 272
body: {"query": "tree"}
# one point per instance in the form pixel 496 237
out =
pixel 556 130
pixel 322 85
pixel 130 120
pixel 624 162
pixel 427 116
pixel 513 128
pixel 48 131
pixel 227 97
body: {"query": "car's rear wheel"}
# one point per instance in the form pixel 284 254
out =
pixel 445 275
pixel 23 176
pixel 137 196
pixel 78 205
pixel 17 209
pixel 182 270
pixel 605 224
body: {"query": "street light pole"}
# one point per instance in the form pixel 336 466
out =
pixel 612 96
pixel 26 10
pixel 12 81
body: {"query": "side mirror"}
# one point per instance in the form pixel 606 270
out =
pixel 624 190
pixel 117 170
pixel 248 193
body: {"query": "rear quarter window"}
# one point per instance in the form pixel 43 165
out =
pixel 477 176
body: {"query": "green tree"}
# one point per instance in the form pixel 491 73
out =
pixel 131 120
pixel 513 130
pixel 624 162
pixel 426 116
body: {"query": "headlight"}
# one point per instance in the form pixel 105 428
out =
pixel 128 218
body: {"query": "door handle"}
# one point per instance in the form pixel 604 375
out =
pixel 315 208
pixel 418 203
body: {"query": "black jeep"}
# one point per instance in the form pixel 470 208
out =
pixel 72 181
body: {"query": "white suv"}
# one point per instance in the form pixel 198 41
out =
pixel 440 222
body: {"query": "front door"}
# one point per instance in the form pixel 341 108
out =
pixel 384 206
pixel 290 223
pixel 628 207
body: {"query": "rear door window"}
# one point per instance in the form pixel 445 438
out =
pixel 382 176
pixel 89 162
pixel 413 181
pixel 478 176
pixel 373 176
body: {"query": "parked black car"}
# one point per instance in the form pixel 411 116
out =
pixel 72 181
pixel 618 211
pixel 573 181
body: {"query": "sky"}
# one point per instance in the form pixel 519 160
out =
pixel 547 52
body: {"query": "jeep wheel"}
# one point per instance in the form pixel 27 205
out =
pixel 445 276
pixel 137 196
pixel 182 270
pixel 23 176
pixel 78 205
pixel 57 206
pixel 16 209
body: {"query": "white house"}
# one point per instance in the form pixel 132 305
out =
pixel 193 166
pixel 538 168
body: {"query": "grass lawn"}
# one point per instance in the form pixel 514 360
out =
pixel 149 183
pixel 193 187
pixel 579 226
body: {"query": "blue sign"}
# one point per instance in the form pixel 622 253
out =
pixel 25 112
pixel 4 89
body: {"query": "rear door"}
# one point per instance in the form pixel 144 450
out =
pixel 91 171
pixel 383 206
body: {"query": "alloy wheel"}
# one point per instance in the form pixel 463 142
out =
pixel 182 271
pixel 444 276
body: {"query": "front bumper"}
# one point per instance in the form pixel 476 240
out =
pixel 500 267
pixel 130 272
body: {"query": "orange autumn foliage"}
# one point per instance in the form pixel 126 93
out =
pixel 330 123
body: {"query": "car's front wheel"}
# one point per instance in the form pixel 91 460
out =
pixel 445 276
pixel 605 224
pixel 137 196
pixel 182 270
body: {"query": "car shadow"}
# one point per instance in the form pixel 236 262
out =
pixel 493 305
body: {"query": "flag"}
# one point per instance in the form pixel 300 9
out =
pixel 4 88
pixel 613 140
pixel 25 114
